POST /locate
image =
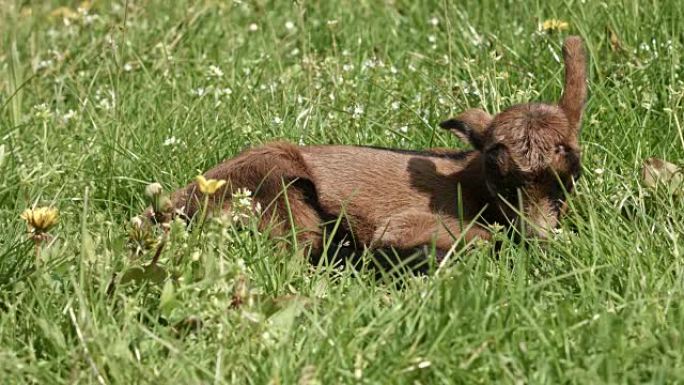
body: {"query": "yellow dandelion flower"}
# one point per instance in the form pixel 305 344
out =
pixel 552 25
pixel 41 219
pixel 209 186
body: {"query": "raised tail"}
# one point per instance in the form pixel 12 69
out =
pixel 575 89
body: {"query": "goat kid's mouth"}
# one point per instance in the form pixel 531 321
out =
pixel 535 218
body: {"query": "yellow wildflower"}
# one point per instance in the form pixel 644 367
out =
pixel 209 186
pixel 552 25
pixel 41 219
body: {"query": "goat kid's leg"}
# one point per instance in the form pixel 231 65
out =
pixel 278 177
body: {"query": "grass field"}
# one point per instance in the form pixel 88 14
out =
pixel 97 102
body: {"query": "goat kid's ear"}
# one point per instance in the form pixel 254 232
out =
pixel 470 126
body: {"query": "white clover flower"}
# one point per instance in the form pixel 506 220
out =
pixel 171 141
pixel 434 21
pixel 289 25
pixel 347 67
pixel 42 111
pixel 368 64
pixel 394 70
pixel 128 67
pixel 599 171
pixel 199 91
pixel 214 72
pixel 253 27
pixel 68 116
pixel 403 129
pixel 357 111
pixel 106 100
pixel 396 105
pixel 277 120
pixel 89 19
pixel 241 205
pixel 432 39
pixel 43 64
pixel 223 91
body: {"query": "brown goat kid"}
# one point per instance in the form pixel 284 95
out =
pixel 525 160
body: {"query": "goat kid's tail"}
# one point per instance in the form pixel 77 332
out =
pixel 575 89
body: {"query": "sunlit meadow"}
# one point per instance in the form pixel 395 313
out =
pixel 100 99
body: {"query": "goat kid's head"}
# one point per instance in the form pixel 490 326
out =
pixel 531 152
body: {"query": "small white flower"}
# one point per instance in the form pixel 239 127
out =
pixel 432 39
pixel 42 111
pixel 199 91
pixel 394 70
pixel 347 67
pixel 294 52
pixel 253 27
pixel 289 25
pixel 332 22
pixel 90 19
pixel 43 64
pixel 357 111
pixel 434 21
pixel 171 141
pixel 224 91
pixel 599 171
pixel 403 129
pixel 68 116
pixel 396 105
pixel 277 120
pixel 214 71
pixel 106 100
pixel 128 67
